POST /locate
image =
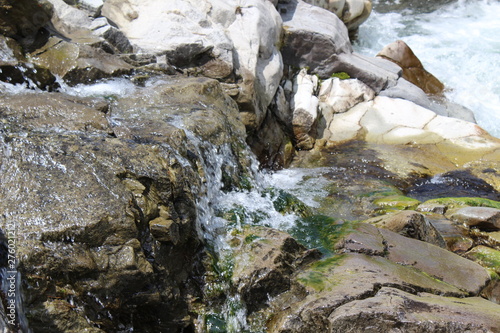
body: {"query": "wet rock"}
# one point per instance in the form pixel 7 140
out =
pixel 101 213
pixel 486 257
pixel 274 255
pixel 410 224
pixel 392 309
pixel 306 27
pixel 482 217
pixel 413 70
pixel 457 237
pixel 78 63
pixel 492 291
pixel 52 112
pixel 304 106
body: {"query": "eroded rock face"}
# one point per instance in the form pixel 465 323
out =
pixel 108 233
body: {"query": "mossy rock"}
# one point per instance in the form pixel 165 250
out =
pixel 396 202
pixel 486 257
pixel 318 276
pixel 239 215
pixel 464 201
pixel 321 232
pixel 287 203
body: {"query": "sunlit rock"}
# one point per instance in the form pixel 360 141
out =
pixel 481 217
pixel 305 109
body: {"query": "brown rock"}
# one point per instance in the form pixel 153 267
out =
pixel 485 218
pixel 413 70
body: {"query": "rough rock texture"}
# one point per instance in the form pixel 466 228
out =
pixel 304 106
pixel 78 63
pixel 481 217
pixel 378 259
pixel 128 261
pixel 410 224
pixel 395 310
pixel 312 37
pixel 274 255
pixel 413 70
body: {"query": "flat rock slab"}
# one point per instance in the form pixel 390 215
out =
pixel 393 310
pixel 482 217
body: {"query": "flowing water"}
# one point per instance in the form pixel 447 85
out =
pixel 458 43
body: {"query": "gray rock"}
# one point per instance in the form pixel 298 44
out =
pixel 312 37
pixel 393 310
pixel 407 90
pixel 482 217
pixel 378 74
pixel 410 224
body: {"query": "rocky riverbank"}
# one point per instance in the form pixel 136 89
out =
pixel 112 197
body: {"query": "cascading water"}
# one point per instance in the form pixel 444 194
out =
pixel 458 43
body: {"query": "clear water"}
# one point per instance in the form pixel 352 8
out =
pixel 458 43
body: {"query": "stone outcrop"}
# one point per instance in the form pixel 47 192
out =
pixel 109 208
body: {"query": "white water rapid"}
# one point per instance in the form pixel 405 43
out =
pixel 458 43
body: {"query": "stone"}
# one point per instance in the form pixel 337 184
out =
pixel 379 74
pixel 178 29
pixel 391 309
pixel 304 106
pixel 352 12
pixel 413 70
pixel 274 256
pixel 164 230
pixel 410 92
pixel 305 28
pixel 337 96
pixel 486 257
pixel 24 20
pixel 484 218
pixel 410 224
pixel 52 112
pixel 79 63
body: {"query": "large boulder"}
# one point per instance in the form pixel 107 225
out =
pixel 107 230
pixel 312 37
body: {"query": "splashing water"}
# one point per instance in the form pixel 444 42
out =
pixel 458 43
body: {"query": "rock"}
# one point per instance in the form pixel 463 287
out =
pixel 24 20
pixel 482 217
pixel 274 256
pixel 15 70
pixel 492 291
pixel 304 106
pixel 178 29
pixel 410 224
pixel 486 257
pixel 379 74
pixel 392 309
pixel 114 40
pixel 52 112
pixel 352 12
pixel 79 63
pixel 306 27
pixel 444 107
pixel 410 92
pixel 93 203
pixel 378 258
pixel 255 29
pixel 413 70
pixel 457 237
pixel 337 96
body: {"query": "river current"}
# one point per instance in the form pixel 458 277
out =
pixel 458 43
